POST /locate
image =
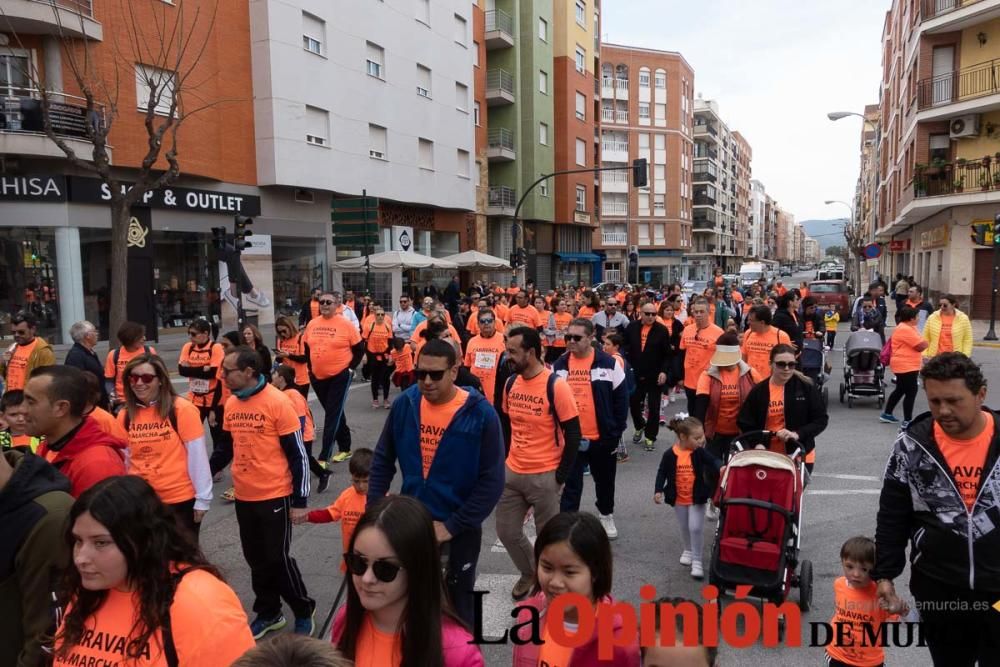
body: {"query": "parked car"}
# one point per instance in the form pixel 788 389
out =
pixel 693 287
pixel 832 294
pixel 604 289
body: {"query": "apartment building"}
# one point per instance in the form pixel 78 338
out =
pixel 938 165
pixel 758 204
pixel 740 188
pixel 785 236
pixel 647 111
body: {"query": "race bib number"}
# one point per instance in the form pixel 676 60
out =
pixel 485 360
pixel 198 385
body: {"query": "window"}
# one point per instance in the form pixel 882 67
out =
pixel 313 33
pixel 644 110
pixel 151 82
pixel 543 29
pixel 581 152
pixel 644 78
pixel 475 53
pixel 581 12
pixel 424 11
pixel 543 134
pixel 425 153
pixel 475 113
pixel 643 234
pixel 661 112
pixel 660 81
pixel 581 59
pixel 581 198
pixel 423 81
pixel 659 206
pixel 317 126
pixel 659 233
pixel 463 163
pixel 543 82
pixel 543 188
pixel 377 143
pixel 581 106
pixel 644 142
pixel 460 29
pixel 376 58
pixel 661 141
pixel 462 97
pixel 14 68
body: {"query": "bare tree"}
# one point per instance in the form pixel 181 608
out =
pixel 165 58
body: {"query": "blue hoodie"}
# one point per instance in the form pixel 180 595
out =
pixel 466 477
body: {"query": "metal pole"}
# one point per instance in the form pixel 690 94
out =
pixel 364 221
pixel 992 334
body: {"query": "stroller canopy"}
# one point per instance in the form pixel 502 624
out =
pixel 863 341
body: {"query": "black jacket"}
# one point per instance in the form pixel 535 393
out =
pixel 468 380
pixel 954 547
pixel 86 360
pixel 783 320
pixel 706 475
pixel 652 360
pixel 805 412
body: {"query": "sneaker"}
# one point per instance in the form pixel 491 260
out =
pixel 637 436
pixel 323 464
pixel 648 445
pixel 586 470
pixel 622 457
pixel 386 404
pixel 231 299
pixel 522 587
pixel 903 424
pixel 375 404
pixel 257 298
pixel 686 558
pixel 324 482
pixel 261 626
pixel 697 571
pixel 608 522
pixel 306 626
pixel 711 512
pixel 886 418
pixel 340 457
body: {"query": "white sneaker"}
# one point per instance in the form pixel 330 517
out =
pixel 257 298
pixel 608 522
pixel 711 512
pixel 697 571
pixel 686 558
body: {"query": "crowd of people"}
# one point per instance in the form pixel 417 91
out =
pixel 510 398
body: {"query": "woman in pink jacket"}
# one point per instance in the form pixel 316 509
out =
pixel 572 555
pixel 396 613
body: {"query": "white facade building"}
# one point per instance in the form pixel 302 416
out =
pixel 758 199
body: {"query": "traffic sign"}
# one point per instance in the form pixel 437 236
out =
pixel 872 251
pixel 355 228
pixel 355 240
pixel 356 202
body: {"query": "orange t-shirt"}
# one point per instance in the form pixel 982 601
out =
pixel 757 348
pixel 158 454
pixel 776 415
pixel 402 359
pixel 781 290
pixel 966 458
pixel 858 609
pixel 644 334
pixel 729 400
pixel 434 421
pixel 304 413
pixel 207 620
pixel 533 429
pixel 330 341
pixel 419 341
pixel 527 314
pixel 107 422
pixel 111 372
pixel 17 367
pixel 803 292
pixel 580 382
pixel 586 312
pixel 945 341
pixel 502 311
pixel 377 336
pixel 700 346
pixel 313 309
pixel 482 357
pixel 561 321
pixel 347 509
pixel 260 469
pixel 905 358
pixel 376 648
pixel 684 476
pixel 295 346
pixel 553 654
pixel 200 390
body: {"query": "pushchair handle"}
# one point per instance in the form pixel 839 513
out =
pixel 764 436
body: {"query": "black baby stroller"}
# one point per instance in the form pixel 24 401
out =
pixel 812 362
pixel 864 374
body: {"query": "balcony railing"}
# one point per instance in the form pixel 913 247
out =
pixel 68 117
pixel 703 176
pixel 980 175
pixel 614 116
pixel 499 87
pixel 614 146
pixel 84 7
pixel 501 138
pixel 704 199
pixel 499 20
pixel 934 8
pixel 613 275
pixel 965 84
pixel 703 225
pixel 614 239
pixel 706 215
pixel 614 208
pixel 706 128
pixel 501 197
pixel 702 150
pixel 621 84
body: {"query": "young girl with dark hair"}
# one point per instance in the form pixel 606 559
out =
pixel 396 613
pixel 139 582
pixel 572 555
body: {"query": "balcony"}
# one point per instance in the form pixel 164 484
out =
pixel 950 15
pixel 499 30
pixel 971 83
pixel 702 150
pixel 608 88
pixel 614 181
pixel 706 215
pixel 706 128
pixel 621 89
pixel 703 226
pixel 704 199
pixel 501 200
pixel 614 151
pixel 614 116
pixel 500 145
pixel 614 208
pixel 614 239
pixel 613 275
pixel 703 173
pixel 22 129
pixel 70 18
pixel 499 87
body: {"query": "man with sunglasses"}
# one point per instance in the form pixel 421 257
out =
pixel 601 396
pixel 649 350
pixel 609 319
pixel 403 320
pixel 447 442
pixel 484 351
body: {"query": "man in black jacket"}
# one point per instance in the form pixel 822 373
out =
pixel 786 317
pixel 82 355
pixel 941 493
pixel 648 349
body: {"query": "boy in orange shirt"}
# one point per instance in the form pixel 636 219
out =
pixel 401 360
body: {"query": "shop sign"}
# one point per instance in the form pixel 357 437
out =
pixel 94 191
pixel 33 188
pixel 402 238
pixel 899 245
pixel 934 238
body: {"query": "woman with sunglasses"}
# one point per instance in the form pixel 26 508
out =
pixel 396 613
pixel 788 404
pixel 253 339
pixel 166 441
pixel 140 592
pixel 290 350
pixel 948 329
pixel 376 330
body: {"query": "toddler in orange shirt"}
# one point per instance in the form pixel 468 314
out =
pixel 401 361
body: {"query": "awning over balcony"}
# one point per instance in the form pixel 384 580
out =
pixel 580 257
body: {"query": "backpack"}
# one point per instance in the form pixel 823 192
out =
pixel 550 392
pixel 118 351
pixel 166 630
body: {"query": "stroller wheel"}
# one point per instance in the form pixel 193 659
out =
pixel 881 400
pixel 850 401
pixel 826 396
pixel 805 585
pixel 843 390
pixel 781 629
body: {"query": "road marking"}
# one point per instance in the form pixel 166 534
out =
pixel 498 604
pixel 857 478
pixel 843 492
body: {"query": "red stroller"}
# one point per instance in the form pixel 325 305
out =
pixel 760 517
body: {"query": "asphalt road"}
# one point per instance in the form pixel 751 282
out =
pixel 841 502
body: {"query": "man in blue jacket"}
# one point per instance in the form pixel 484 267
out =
pixel 448 443
pixel 601 396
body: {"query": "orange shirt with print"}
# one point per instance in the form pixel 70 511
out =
pixel 375 647
pixel 419 341
pixel 402 359
pixel 684 476
pixel 330 341
pixel 551 653
pixel 946 343
pixel 905 357
pixel 107 422
pixel 858 609
pixel 579 381
pixel 729 400
pixel 260 469
pixel 434 421
pixel 377 336
pixel 157 452
pixel 644 334
pixel 699 345
pixel 502 311
pixel 305 415
pixel 757 348
pixel 527 314
pixel 966 458
pixel 294 345
pixel 482 358
pixel 201 390
pixel 202 639
pixel 775 415
pixel 561 321
pixel 17 367
pixel 536 441
pixel 347 509
pixel 112 372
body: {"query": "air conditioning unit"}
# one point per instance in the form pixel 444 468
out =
pixel 964 127
pixel 378 155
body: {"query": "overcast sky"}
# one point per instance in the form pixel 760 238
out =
pixel 776 68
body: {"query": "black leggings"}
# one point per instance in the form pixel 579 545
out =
pixel 906 388
pixel 378 364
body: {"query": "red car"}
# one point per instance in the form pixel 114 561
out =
pixel 832 294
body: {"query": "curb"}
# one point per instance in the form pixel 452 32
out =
pixel 990 345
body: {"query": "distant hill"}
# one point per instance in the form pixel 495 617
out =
pixel 825 231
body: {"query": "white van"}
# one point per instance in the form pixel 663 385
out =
pixel 751 272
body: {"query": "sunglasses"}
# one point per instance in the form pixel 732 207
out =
pixel 785 365
pixel 383 570
pixel 326 302
pixel 649 314
pixel 487 320
pixel 144 378
pixel 573 338
pixel 435 376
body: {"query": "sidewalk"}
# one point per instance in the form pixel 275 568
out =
pixel 979 329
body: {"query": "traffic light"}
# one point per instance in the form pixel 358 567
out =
pixel 996 230
pixel 219 238
pixel 522 257
pixel 640 173
pixel 241 232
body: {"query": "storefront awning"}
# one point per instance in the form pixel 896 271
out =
pixel 577 257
